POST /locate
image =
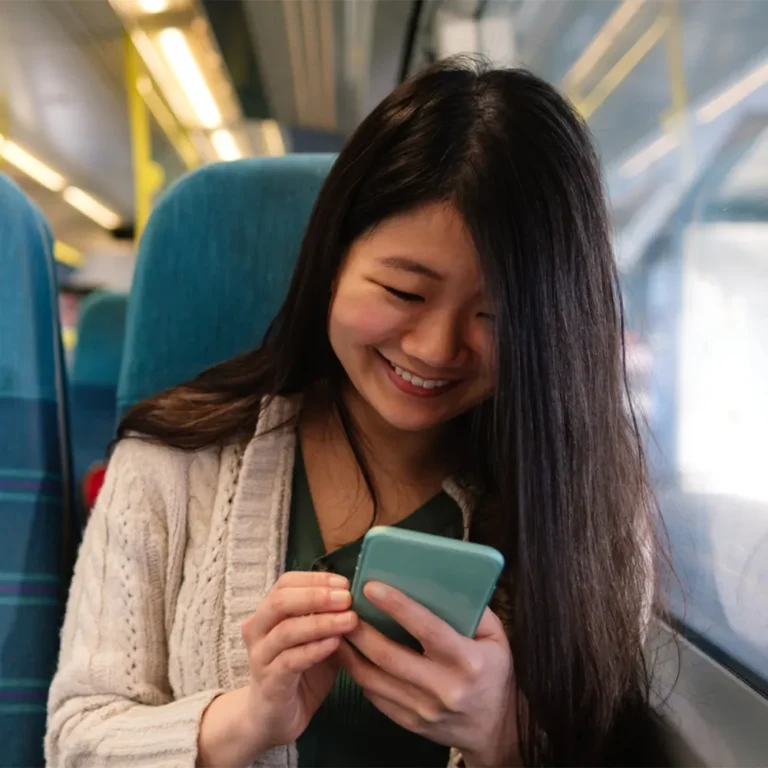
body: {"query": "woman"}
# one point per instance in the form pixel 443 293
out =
pixel 449 358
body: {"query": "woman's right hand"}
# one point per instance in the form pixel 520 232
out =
pixel 290 639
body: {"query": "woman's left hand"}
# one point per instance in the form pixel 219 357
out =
pixel 460 692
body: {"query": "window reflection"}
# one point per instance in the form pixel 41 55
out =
pixel 697 299
pixel 676 94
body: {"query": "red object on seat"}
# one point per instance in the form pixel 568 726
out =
pixel 92 482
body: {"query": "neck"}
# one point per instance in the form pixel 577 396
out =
pixel 406 469
pixel 405 456
pixel 392 454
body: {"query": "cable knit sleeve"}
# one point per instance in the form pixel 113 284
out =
pixel 110 703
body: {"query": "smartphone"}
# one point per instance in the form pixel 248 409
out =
pixel 454 579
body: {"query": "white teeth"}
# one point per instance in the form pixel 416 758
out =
pixel 416 380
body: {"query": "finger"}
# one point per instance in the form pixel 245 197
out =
pixel 404 664
pixel 296 661
pixel 405 718
pixel 490 627
pixel 293 579
pixel 375 681
pixel 436 637
pixel 304 629
pixel 283 603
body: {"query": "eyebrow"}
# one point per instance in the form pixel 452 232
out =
pixel 405 264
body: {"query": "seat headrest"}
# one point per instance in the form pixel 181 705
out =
pixel 100 336
pixel 28 317
pixel 214 265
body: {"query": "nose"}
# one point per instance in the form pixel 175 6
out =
pixel 436 341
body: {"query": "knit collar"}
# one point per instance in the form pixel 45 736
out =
pixel 259 520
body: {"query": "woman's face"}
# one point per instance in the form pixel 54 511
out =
pixel 410 321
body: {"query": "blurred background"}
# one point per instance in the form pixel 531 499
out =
pixel 105 103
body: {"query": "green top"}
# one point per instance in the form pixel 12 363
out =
pixel 347 730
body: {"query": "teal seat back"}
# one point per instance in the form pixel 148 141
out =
pixel 94 377
pixel 214 265
pixel 36 526
pixel 100 336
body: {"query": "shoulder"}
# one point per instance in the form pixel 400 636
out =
pixel 151 463
pixel 152 476
pixel 158 476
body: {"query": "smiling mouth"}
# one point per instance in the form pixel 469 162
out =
pixel 415 380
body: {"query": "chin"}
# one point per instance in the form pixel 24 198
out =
pixel 414 425
pixel 402 420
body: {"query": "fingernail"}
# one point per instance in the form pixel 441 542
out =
pixel 376 590
pixel 338 581
pixel 340 597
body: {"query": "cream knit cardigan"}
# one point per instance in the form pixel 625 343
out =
pixel 180 549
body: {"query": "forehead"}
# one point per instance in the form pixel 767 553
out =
pixel 434 235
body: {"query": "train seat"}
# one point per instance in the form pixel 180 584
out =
pixel 93 385
pixel 214 264
pixel 37 533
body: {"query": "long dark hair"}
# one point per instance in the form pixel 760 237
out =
pixel 555 457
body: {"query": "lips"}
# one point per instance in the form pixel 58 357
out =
pixel 413 384
pixel 417 381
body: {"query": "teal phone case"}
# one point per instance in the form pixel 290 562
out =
pixel 454 579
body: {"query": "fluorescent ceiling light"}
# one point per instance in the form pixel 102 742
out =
pixel 730 97
pixel 34 168
pixel 648 156
pixel 148 52
pixel 272 138
pixel 153 6
pixel 180 59
pixel 161 72
pixel 225 145
pixel 91 207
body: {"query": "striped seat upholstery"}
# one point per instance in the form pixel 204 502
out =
pixel 35 532
pixel 214 266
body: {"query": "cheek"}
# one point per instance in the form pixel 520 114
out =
pixel 490 365
pixel 487 353
pixel 483 344
pixel 360 321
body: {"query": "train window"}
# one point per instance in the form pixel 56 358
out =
pixel 704 337
pixel 676 95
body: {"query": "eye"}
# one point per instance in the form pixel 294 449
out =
pixel 402 295
pixel 487 316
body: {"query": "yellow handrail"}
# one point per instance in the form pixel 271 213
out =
pixel 619 72
pixel 141 141
pixel 144 99
pixel 66 254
